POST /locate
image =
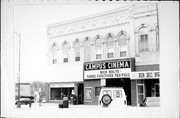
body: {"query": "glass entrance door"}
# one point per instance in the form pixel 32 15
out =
pixel 140 91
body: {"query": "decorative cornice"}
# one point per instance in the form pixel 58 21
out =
pixel 90 24
pixel 88 30
pixel 109 19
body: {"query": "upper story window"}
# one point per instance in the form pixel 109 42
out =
pixel 143 39
pixel 123 44
pixel 87 49
pixel 55 50
pixel 110 46
pixel 157 38
pixel 65 51
pixel 77 50
pixel 98 47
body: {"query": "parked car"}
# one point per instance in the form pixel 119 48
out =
pixel 25 101
pixel 150 102
pixel 112 97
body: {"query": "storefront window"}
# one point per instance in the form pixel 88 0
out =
pixel 59 93
pixel 152 88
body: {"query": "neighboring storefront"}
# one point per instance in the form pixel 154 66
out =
pixel 59 90
pixel 145 82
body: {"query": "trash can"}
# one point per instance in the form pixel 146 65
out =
pixel 60 104
pixel 65 102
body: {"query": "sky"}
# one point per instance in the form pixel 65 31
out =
pixel 31 22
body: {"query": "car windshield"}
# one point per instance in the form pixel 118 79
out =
pixel 107 92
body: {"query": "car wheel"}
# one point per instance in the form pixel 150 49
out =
pixel 106 99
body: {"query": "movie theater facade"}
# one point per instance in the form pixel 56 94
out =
pixel 118 48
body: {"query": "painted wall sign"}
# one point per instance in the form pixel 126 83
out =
pixel 145 75
pixel 109 69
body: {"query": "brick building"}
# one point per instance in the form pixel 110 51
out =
pixel 118 48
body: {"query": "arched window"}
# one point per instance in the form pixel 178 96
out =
pixel 65 51
pixel 87 49
pixel 143 39
pixel 123 44
pixel 157 38
pixel 77 50
pixel 54 52
pixel 98 47
pixel 110 46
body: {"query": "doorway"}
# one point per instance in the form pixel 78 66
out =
pixel 80 94
pixel 123 82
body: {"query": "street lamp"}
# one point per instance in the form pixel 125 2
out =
pixel 19 69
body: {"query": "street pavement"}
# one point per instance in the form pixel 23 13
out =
pixel 52 110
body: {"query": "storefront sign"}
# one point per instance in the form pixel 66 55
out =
pixel 145 75
pixel 62 85
pixel 109 69
pixel 106 65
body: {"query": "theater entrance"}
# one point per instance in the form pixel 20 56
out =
pixel 124 82
pixel 80 93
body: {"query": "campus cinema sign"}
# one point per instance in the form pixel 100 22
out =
pixel 107 69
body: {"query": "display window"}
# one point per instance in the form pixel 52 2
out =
pixel 88 94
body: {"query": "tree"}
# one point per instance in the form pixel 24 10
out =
pixel 36 85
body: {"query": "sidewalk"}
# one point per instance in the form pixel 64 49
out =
pixel 55 105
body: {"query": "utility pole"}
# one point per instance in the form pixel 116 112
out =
pixel 19 70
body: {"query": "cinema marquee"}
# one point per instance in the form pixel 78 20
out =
pixel 107 69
